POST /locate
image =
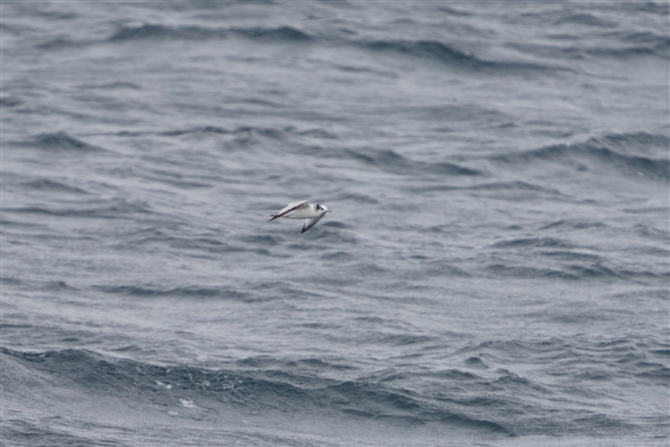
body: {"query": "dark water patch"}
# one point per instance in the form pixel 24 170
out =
pixel 644 42
pixel 657 294
pixel 390 161
pixel 636 143
pixel 569 272
pixel 58 285
pixel 658 8
pixel 523 272
pixel 452 11
pixel 31 434
pixel 51 12
pixel 443 53
pixel 440 268
pixel 516 348
pixel 429 49
pixel 582 18
pixel 513 186
pixel 340 256
pixel 10 281
pixel 573 225
pixel 246 137
pixel 399 339
pixel 664 353
pixel 144 31
pixel 178 292
pixel 176 180
pixel 198 129
pixel 647 210
pixel 618 151
pixel 60 43
pixel 46 185
pixel 512 190
pixel 476 362
pixel 455 374
pixel 373 401
pixel 544 242
pixel 564 255
pixel 114 85
pixel 316 133
pixel 147 31
pixel 643 276
pixel 334 224
pixel 656 372
pixel 355 197
pixel 118 209
pixel 658 49
pixel 243 133
pixel 514 381
pixel 283 33
pixel 339 364
pixel 604 423
pixel 579 53
pixel 452 113
pixel 60 142
pixel 4 222
pixel 660 234
pixel 10 101
pixel 290 369
pixel 365 70
pixel 264 240
pixel 202 247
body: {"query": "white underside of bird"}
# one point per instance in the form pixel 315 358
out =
pixel 312 213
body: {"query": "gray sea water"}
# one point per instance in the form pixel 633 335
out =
pixel 495 271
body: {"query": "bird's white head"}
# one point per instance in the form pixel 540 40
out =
pixel 322 208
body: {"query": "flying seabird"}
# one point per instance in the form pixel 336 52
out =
pixel 302 210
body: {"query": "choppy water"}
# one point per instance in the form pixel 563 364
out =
pixel 494 272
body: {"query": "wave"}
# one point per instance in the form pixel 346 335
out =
pixel 447 54
pixel 243 131
pixel 633 356
pixel 60 43
pixel 181 292
pixel 638 43
pixel 392 162
pixel 573 224
pixel 533 243
pixel 575 266
pixel 427 49
pixel 515 190
pixel 10 101
pixel 246 134
pixel 47 185
pixel 285 387
pixel 580 18
pixel 59 142
pixel 635 154
pixel 145 31
pixel 116 209
pixel 483 397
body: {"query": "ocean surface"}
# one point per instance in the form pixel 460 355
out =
pixel 495 271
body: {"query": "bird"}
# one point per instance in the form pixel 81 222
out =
pixel 302 210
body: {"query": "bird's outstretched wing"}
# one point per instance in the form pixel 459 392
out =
pixel 309 223
pixel 288 208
